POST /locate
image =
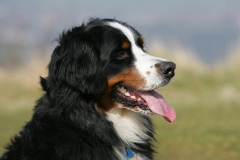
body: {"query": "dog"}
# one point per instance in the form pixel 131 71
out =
pixel 99 94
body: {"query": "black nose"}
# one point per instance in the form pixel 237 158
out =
pixel 167 69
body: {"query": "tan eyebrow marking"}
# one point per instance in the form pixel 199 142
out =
pixel 141 40
pixel 125 45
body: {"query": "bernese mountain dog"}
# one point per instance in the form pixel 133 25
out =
pixel 99 94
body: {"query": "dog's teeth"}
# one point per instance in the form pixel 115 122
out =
pixel 133 97
pixel 122 89
pixel 127 94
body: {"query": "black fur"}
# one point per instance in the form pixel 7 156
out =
pixel 65 124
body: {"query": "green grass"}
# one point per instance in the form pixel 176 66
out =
pixel 207 105
pixel 207 124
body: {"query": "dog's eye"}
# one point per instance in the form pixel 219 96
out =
pixel 121 55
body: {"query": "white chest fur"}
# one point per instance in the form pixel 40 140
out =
pixel 131 128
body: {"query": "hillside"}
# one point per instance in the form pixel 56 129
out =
pixel 206 100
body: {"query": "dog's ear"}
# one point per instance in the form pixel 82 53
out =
pixel 76 61
pixel 44 83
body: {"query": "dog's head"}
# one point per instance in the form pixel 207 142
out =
pixel 105 59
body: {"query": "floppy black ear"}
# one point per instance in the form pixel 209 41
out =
pixel 44 83
pixel 76 62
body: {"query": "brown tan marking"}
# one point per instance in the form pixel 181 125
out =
pixel 125 45
pixel 129 77
pixel 141 40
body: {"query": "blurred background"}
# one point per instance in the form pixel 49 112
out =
pixel 201 37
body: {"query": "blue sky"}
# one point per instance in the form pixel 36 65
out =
pixel 208 27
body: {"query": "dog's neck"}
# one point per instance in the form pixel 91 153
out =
pixel 131 127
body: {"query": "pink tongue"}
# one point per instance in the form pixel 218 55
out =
pixel 158 105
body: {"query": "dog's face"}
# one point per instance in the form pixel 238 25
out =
pixel 106 58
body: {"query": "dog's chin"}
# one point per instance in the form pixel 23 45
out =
pixel 129 98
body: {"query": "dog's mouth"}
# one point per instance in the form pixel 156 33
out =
pixel 147 102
